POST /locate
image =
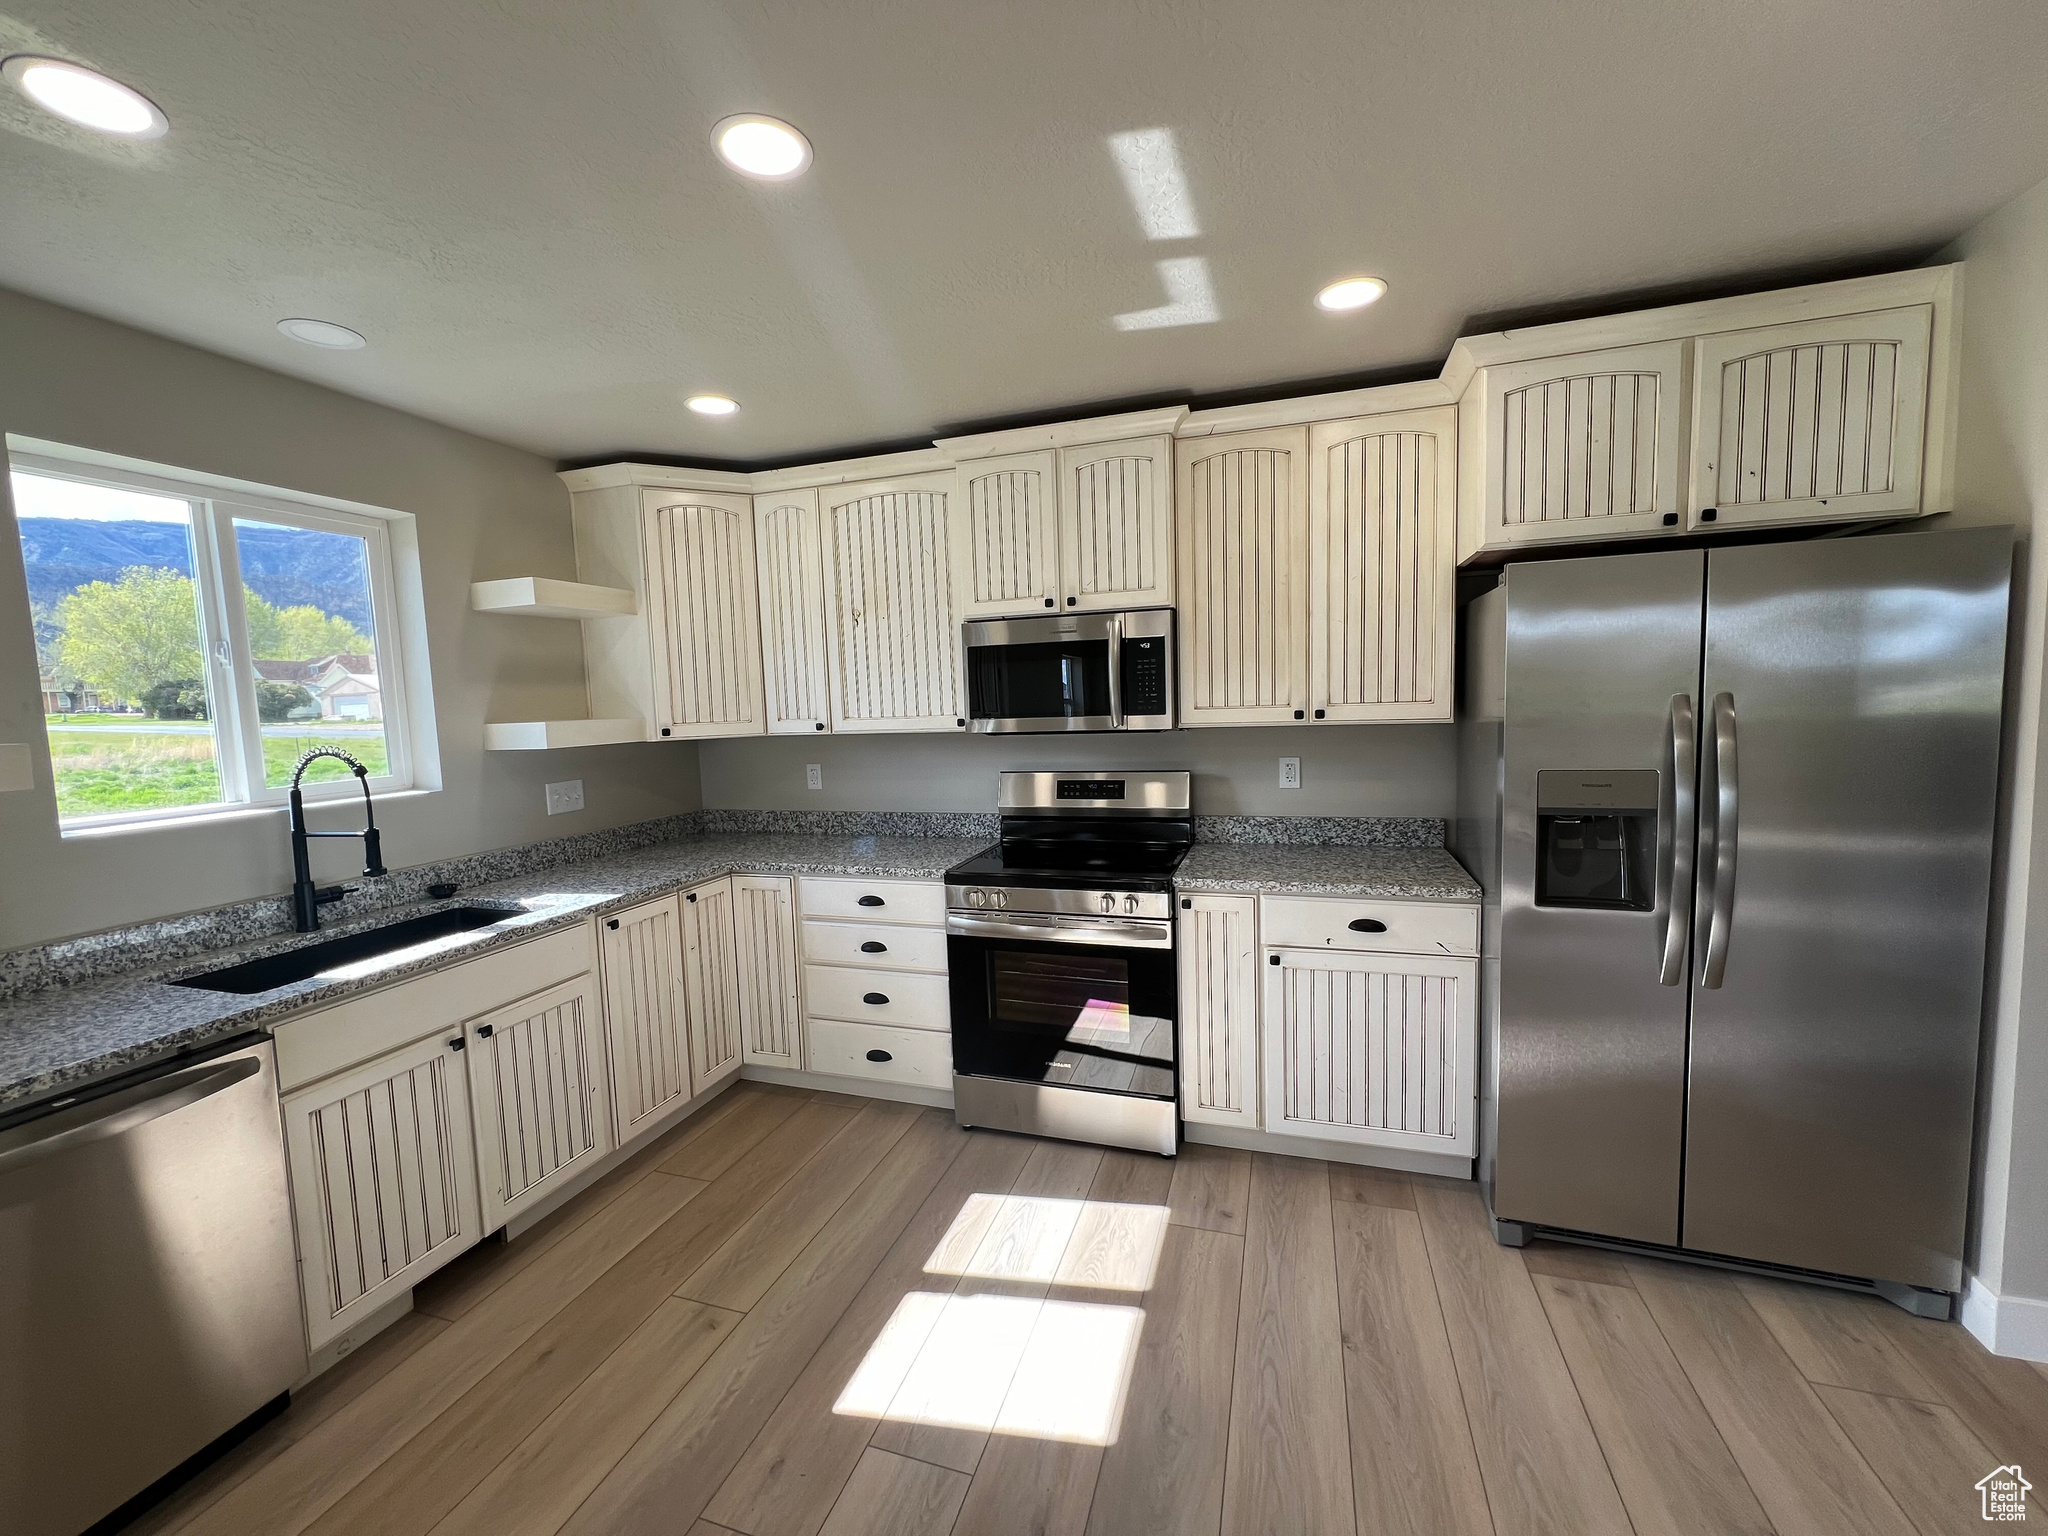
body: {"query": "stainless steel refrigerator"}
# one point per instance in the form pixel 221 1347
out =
pixel 1733 810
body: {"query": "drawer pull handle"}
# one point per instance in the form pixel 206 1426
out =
pixel 873 948
pixel 880 1056
pixel 877 998
pixel 871 901
pixel 1367 925
pixel 485 1031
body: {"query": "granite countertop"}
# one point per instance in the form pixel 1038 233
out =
pixel 1320 869
pixel 61 1037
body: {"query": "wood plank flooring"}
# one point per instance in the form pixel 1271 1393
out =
pixel 809 1315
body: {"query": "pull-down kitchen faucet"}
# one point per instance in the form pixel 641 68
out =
pixel 307 898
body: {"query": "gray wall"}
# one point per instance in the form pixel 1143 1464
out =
pixel 484 510
pixel 1346 770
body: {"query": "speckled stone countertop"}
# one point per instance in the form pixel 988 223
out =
pixel 60 1037
pixel 1318 869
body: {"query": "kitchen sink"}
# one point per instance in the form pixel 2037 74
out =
pixel 315 959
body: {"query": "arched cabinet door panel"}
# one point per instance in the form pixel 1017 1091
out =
pixel 889 593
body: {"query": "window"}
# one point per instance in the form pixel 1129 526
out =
pixel 195 639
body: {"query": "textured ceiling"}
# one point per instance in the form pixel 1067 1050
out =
pixel 517 204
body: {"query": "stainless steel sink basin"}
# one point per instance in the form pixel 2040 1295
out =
pixel 313 959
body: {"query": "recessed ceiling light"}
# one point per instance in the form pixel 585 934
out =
pixel 763 147
pixel 1351 293
pixel 322 333
pixel 85 97
pixel 712 405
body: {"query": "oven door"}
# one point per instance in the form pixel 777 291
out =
pixel 1067 1003
pixel 1053 674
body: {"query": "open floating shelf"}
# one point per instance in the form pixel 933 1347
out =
pixel 541 735
pixel 542 597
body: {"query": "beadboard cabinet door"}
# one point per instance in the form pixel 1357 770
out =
pixel 384 1179
pixel 1242 523
pixel 1006 536
pixel 1371 1049
pixel 704 611
pixel 537 1085
pixel 645 1016
pixel 771 1008
pixel 1219 1010
pixel 711 989
pixel 1116 524
pixel 1382 566
pixel 1811 421
pixel 796 647
pixel 889 592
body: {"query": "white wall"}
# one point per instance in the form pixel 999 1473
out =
pixel 2002 477
pixel 1346 770
pixel 484 511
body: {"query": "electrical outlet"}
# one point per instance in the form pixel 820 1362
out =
pixel 565 796
pixel 814 775
pixel 1290 773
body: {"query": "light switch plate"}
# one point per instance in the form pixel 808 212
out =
pixel 1290 773
pixel 565 796
pixel 814 775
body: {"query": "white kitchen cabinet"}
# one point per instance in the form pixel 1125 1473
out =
pixel 645 1016
pixel 1006 536
pixel 889 596
pixel 384 1179
pixel 1381 569
pixel 796 647
pixel 1242 518
pixel 1811 421
pixel 1371 1049
pixel 1116 524
pixel 1219 1010
pixel 537 1085
pixel 711 989
pixel 771 1010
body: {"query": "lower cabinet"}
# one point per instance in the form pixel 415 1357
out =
pixel 771 1012
pixel 384 1179
pixel 537 1084
pixel 1218 948
pixel 644 1013
pixel 711 990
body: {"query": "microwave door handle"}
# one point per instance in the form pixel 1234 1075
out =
pixel 1116 671
pixel 1675 840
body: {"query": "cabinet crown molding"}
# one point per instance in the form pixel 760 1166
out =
pixel 1066 434
pixel 667 477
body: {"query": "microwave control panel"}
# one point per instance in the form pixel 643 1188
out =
pixel 1144 675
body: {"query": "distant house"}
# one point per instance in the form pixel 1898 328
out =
pixel 344 686
pixel 72 698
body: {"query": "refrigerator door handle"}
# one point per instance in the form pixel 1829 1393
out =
pixel 1717 866
pixel 1675 841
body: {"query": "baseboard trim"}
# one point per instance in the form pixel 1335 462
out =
pixel 1440 1164
pixel 860 1087
pixel 2014 1326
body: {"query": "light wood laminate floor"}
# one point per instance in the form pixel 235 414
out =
pixel 803 1313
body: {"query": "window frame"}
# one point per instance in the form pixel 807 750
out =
pixel 216 505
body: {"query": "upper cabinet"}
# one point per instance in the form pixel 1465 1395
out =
pixel 889 601
pixel 1116 524
pixel 796 651
pixel 1006 536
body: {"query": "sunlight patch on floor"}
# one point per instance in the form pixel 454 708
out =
pixel 1095 1243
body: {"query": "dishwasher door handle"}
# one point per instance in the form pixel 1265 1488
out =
pixel 120 1112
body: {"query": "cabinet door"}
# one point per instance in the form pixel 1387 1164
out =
pixel 703 606
pixel 896 648
pixel 384 1184
pixel 711 987
pixel 1242 512
pixel 537 1082
pixel 1116 524
pixel 1811 421
pixel 1219 1002
pixel 1377 1050
pixel 1005 537
pixel 644 1013
pixel 795 646
pixel 1382 517
pixel 1583 447
pixel 764 933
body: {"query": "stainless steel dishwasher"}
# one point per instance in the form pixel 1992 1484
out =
pixel 148 1287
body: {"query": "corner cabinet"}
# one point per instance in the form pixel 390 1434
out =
pixel 646 1018
pixel 711 983
pixel 889 601
pixel 538 1084
pixel 796 647
pixel 1219 1010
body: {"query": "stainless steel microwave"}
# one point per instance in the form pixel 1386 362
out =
pixel 1071 672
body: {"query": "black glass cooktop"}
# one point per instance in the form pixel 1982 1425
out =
pixel 1133 855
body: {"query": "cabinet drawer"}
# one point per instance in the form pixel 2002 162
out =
pixel 912 999
pixel 906 1055
pixel 882 901
pixel 1334 922
pixel 891 946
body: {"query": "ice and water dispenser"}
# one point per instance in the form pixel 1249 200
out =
pixel 1596 838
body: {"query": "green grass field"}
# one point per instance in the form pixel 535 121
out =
pixel 99 772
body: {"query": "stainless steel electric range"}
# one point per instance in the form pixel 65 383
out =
pixel 1060 944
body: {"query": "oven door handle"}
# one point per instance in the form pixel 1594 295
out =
pixel 1120 933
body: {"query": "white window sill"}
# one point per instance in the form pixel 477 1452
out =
pixel 215 815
